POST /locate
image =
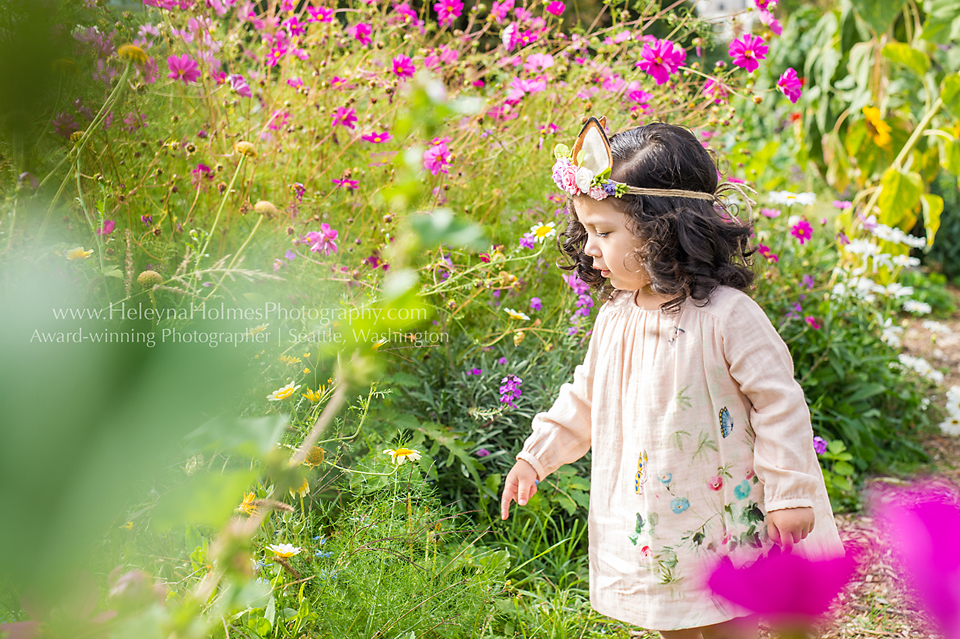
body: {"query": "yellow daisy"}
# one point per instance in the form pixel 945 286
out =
pixel 302 490
pixel 283 393
pixel 78 254
pixel 133 53
pixel 315 457
pixel 401 455
pixel 876 127
pixel 248 505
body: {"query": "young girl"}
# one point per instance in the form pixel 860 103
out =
pixel 701 437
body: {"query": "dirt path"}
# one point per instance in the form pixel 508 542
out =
pixel 877 604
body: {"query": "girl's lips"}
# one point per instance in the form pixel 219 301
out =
pixel 604 272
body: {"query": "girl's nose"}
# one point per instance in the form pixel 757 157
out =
pixel 591 247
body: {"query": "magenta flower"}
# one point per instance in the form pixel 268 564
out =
pixel 661 59
pixel 767 18
pixel 350 185
pixel 789 85
pixel 107 228
pixel 802 231
pixel 556 8
pixel 500 10
pixel 717 91
pixel 278 120
pixel 403 67
pixel 323 241
pixel 320 14
pixel 376 138
pixel 819 445
pixel 842 204
pixel 183 68
pixel 771 213
pixel 765 251
pixel 747 51
pixel 239 85
pixel 804 589
pixel 812 321
pixel 527 241
pixel 436 159
pixel 361 32
pixel 921 526
pixel 345 117
pixel 483 452
pixel 295 83
pixel 536 304
pixel 510 390
pixel 448 11
pixel 294 26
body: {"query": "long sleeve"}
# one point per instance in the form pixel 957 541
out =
pixel 760 362
pixel 561 435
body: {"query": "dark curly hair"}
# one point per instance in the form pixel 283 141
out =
pixel 690 246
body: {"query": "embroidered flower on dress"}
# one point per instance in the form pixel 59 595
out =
pixel 665 478
pixel 679 504
pixel 742 490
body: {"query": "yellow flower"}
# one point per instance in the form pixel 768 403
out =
pixel 257 329
pixel 314 396
pixel 132 53
pixel 378 344
pixel 315 457
pixel 78 254
pixel 306 355
pixel 76 136
pixel 876 127
pixel 286 359
pixel 306 371
pixel 543 231
pixel 127 526
pixel 284 551
pixel 304 488
pixel 248 505
pixel 245 148
pixel 400 455
pixel 517 315
pixel 283 393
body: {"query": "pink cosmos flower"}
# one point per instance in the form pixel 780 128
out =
pixel 323 241
pixel 436 159
pixel 641 97
pixel 320 14
pixel 345 117
pixel 789 85
pixel 377 138
pixel 239 85
pixel 510 36
pixel 842 204
pixel 812 321
pixel 183 68
pixel 767 18
pixel 804 589
pixel 361 32
pixel 765 251
pixel 661 59
pixel 747 51
pixel 538 62
pixel 802 231
pixel 921 526
pixel 771 213
pixel 718 91
pixel 403 67
pixel 296 83
pixel 278 120
pixel 107 228
pixel 556 8
pixel 336 82
pixel 448 11
pixel 500 10
pixel 350 185
pixel 293 26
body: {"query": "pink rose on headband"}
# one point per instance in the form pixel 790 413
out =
pixel 598 193
pixel 565 176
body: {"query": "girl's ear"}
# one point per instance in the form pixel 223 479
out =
pixel 592 149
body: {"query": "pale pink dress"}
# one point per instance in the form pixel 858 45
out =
pixel 698 428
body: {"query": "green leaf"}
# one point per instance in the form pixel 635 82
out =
pixel 442 227
pixel 900 195
pixel 253 437
pixel 843 468
pixel 836 446
pixel 943 21
pixel 561 151
pixel 206 498
pixel 950 93
pixel 903 53
pixel 932 208
pixel 867 390
pixel 950 156
pixel 879 14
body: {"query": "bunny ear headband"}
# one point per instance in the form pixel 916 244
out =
pixel 586 170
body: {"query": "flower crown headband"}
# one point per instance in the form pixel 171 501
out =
pixel 586 171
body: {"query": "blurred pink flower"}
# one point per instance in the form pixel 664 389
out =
pixel 448 11
pixel 361 32
pixel 921 527
pixel 377 138
pixel 65 124
pixel 322 241
pixel 320 14
pixel 715 90
pixel 771 213
pixel 537 62
pixel 296 83
pixel 767 18
pixel 293 26
pixel 842 204
pixel 403 67
pixel 802 231
pixel 765 251
pixel 789 85
pixel 747 51
pixel 661 59
pixel 345 117
pixel 510 36
pixel 107 228
pixel 239 85
pixel 278 120
pixel 500 10
pixel 183 68
pixel 812 321
pixel 134 122
pixel 350 185
pixel 436 159
pixel 556 8
pixel 804 589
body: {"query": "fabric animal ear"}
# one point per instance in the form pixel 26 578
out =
pixel 592 150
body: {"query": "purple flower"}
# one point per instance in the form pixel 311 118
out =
pixel 183 68
pixel 808 281
pixel 240 86
pixel 528 241
pixel 290 255
pixel 324 241
pixel 146 219
pixel 403 67
pixel 536 304
pixel 475 371
pixel 819 445
pixel 802 231
pixel 64 124
pixel 483 452
pixel 510 390
pixel 448 11
pixel 350 185
pixel 921 526
pixel 502 361
pixel 804 589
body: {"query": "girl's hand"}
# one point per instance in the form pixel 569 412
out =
pixel 788 526
pixel 521 484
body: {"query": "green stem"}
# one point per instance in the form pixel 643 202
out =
pixel 223 201
pixel 905 151
pixel 235 257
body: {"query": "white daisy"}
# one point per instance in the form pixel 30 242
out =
pixel 284 551
pixel 906 260
pixel 936 327
pixel 951 426
pixel 401 455
pixel 917 308
pixel 789 199
pixel 543 231
pixel 517 315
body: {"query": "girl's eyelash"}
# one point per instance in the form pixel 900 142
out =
pixel 603 234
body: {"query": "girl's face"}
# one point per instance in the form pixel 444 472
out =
pixel 611 244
